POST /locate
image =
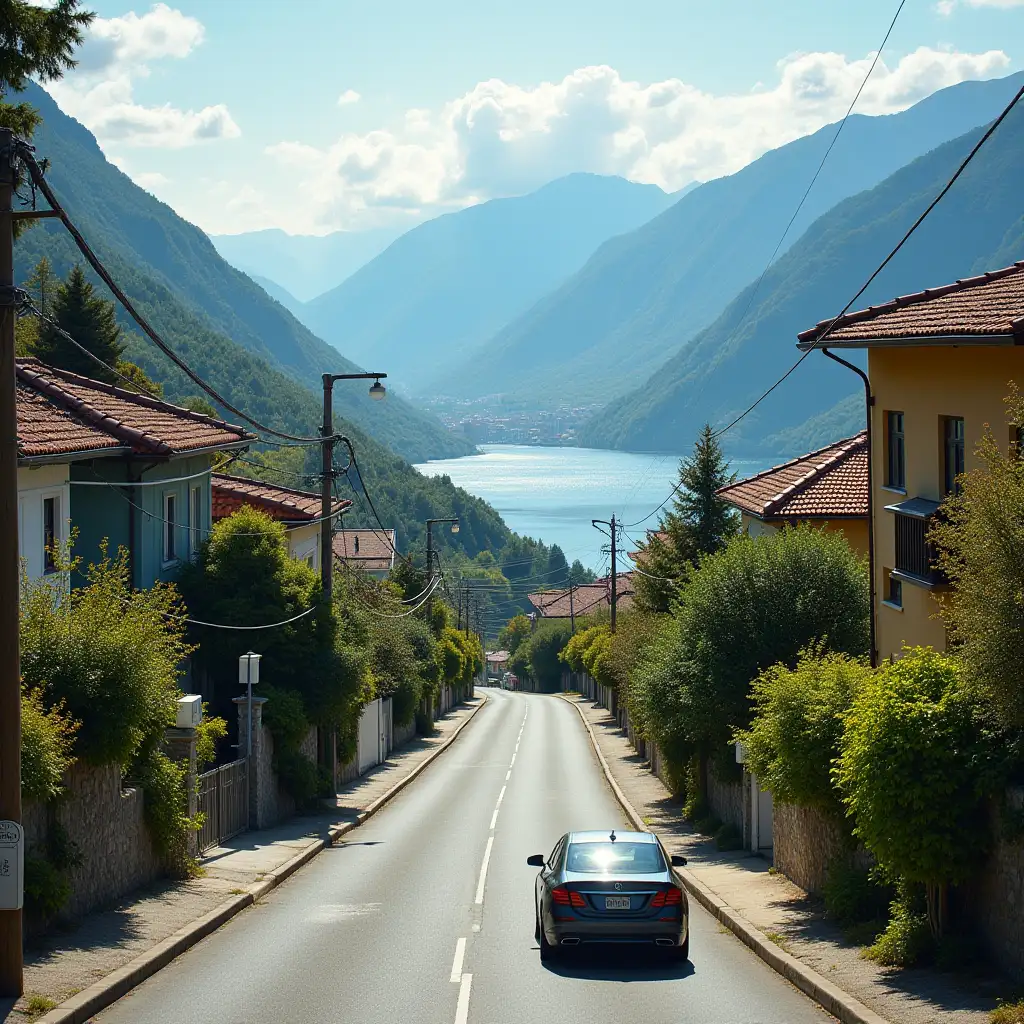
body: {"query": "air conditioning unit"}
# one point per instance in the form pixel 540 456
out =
pixel 190 711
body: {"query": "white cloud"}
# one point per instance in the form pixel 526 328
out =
pixel 348 97
pixel 504 139
pixel 118 51
pixel 946 7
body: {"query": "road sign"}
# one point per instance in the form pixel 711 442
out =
pixel 12 865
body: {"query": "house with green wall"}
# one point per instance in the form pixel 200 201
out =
pixel 116 467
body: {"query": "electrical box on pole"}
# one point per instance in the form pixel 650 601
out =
pixel 12 865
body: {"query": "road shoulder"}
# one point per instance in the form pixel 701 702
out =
pixel 110 952
pixel 754 903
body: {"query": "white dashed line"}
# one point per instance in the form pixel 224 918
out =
pixel 460 955
pixel 483 871
pixel 494 819
pixel 501 796
pixel 512 762
pixel 462 1010
pixel 508 774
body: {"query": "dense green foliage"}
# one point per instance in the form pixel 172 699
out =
pixel 917 761
pixel 797 727
pixel 758 602
pixel 513 633
pixel 47 742
pixel 726 366
pixel 980 539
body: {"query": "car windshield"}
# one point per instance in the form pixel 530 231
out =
pixel 614 858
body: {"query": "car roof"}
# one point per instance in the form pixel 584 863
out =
pixel 603 837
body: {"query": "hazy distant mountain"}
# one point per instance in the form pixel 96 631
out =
pixel 304 265
pixel 977 227
pixel 446 286
pixel 249 346
pixel 642 296
pixel 279 294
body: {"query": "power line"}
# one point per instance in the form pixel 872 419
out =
pixel 25 152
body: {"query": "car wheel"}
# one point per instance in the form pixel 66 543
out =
pixel 682 953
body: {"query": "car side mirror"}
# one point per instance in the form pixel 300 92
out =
pixel 678 861
pixel 536 861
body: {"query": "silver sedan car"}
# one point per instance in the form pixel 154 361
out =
pixel 604 887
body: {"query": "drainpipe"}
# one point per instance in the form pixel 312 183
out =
pixel 869 402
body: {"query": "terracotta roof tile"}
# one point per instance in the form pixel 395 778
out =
pixel 369 550
pixel 991 304
pixel 829 483
pixel 46 429
pixel 147 425
pixel 230 493
pixel 586 598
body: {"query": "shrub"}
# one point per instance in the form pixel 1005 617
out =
pixel 854 895
pixel 907 940
pixel 166 809
pixel 729 837
pixel 1008 1013
pixel 299 776
pixel 209 731
pixel 916 765
pixel 47 739
pixel 797 727
pixel 108 654
pixel 47 887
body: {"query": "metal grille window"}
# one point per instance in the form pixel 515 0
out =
pixel 953 438
pixel 896 469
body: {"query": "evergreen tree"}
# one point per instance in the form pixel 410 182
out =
pixel 42 286
pixel 557 574
pixel 90 320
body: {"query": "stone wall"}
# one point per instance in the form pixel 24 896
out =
pixel 104 818
pixel 806 842
pixel 996 899
pixel 726 799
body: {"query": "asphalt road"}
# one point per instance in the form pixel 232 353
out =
pixel 426 912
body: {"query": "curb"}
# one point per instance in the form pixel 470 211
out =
pixel 830 997
pixel 80 1007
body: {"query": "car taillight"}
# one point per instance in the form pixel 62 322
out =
pixel 668 898
pixel 564 898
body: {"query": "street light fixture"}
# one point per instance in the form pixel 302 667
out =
pixel 377 391
pixel 430 546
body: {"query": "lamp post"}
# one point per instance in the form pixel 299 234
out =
pixel 248 676
pixel 430 546
pixel 377 392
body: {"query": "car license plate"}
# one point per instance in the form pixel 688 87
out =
pixel 616 903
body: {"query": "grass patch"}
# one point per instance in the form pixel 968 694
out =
pixel 780 940
pixel 238 892
pixel 864 933
pixel 1008 1013
pixel 36 1005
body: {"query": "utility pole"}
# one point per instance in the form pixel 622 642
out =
pixel 454 520
pixel 598 523
pixel 572 611
pixel 11 954
pixel 328 440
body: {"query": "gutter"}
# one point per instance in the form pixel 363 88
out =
pixel 918 341
pixel 53 460
pixel 869 401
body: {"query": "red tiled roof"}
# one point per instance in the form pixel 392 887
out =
pixel 45 429
pixel 829 483
pixel 651 535
pixel 369 550
pixel 230 493
pixel 145 425
pixel 498 657
pixel 586 598
pixel 989 305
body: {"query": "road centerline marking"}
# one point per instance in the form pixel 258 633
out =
pixel 483 871
pixel 460 955
pixel 508 774
pixel 462 1010
pixel 501 796
pixel 494 819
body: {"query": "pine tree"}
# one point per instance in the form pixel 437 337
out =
pixel 90 320
pixel 42 285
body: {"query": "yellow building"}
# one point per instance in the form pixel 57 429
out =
pixel 939 362
pixel 827 489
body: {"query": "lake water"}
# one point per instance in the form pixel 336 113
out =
pixel 552 494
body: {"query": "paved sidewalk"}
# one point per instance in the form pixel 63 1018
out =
pixel 783 911
pixel 106 941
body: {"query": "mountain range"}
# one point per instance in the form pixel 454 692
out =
pixel 305 266
pixel 643 296
pixel 978 226
pixel 250 347
pixel 446 286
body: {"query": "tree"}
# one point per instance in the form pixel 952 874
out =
pixel 91 321
pixel 797 727
pixel 980 539
pixel 557 572
pixel 579 573
pixel 515 632
pixel 138 376
pixel 756 603
pixel 194 403
pixel 917 762
pixel 699 523
pixel 543 650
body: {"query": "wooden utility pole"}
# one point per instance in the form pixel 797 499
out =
pixel 11 956
pixel 614 577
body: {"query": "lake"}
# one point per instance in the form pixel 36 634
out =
pixel 552 494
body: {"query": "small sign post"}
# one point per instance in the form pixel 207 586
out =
pixel 12 865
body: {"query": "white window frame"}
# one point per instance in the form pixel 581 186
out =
pixel 195 527
pixel 169 526
pixel 58 539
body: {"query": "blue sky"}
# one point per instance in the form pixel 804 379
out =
pixel 229 109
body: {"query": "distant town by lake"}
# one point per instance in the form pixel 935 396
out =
pixel 553 493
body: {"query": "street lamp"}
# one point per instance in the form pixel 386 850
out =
pixel 377 392
pixel 430 546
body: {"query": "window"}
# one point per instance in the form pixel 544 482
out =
pixel 51 535
pixel 953 451
pixel 615 858
pixel 170 527
pixel 195 524
pixel 915 555
pixel 1017 442
pixel 896 468
pixel 356 542
pixel 311 559
pixel 893 590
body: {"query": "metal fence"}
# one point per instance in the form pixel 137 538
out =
pixel 223 803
